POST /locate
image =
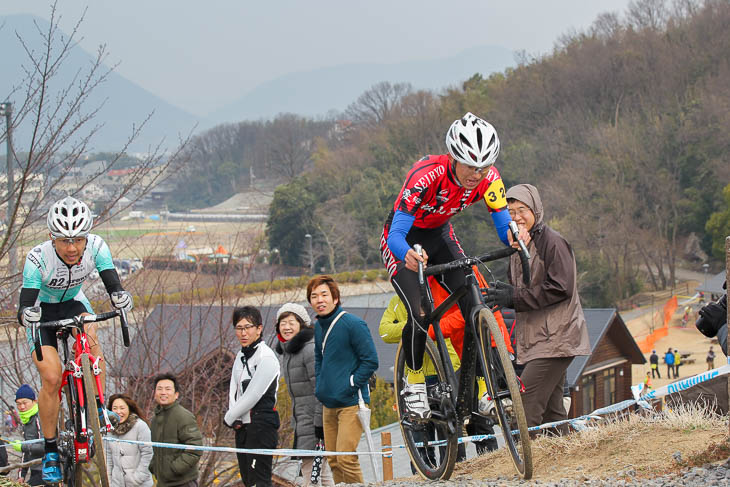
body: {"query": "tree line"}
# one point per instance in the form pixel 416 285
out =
pixel 621 127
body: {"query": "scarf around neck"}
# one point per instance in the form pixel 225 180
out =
pixel 123 428
pixel 26 415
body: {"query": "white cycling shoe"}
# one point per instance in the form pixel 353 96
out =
pixel 488 408
pixel 416 401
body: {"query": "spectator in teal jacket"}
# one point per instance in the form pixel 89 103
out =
pixel 344 360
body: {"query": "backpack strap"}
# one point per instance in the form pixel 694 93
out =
pixel 324 342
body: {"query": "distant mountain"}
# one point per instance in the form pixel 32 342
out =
pixel 316 92
pixel 127 104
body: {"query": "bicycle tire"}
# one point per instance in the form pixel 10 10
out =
pixel 67 430
pixel 500 368
pixel 435 462
pixel 92 423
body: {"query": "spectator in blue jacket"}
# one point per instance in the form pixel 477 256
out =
pixel 344 360
pixel 669 360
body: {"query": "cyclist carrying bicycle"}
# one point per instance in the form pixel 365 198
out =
pixel 436 188
pixel 52 277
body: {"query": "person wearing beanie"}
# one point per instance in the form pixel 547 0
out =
pixel 252 398
pixel 27 405
pixel 296 348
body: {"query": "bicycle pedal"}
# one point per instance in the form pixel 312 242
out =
pixel 412 424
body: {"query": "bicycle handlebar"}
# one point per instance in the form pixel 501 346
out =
pixel 78 322
pixel 467 262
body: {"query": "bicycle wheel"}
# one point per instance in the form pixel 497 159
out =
pixel 92 423
pixel 69 424
pixel 505 391
pixel 432 444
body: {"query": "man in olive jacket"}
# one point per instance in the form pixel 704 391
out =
pixel 552 329
pixel 172 423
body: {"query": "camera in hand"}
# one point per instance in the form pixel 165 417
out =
pixel 712 317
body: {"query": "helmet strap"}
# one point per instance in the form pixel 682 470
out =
pixel 453 171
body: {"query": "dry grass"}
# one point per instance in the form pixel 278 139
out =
pixel 636 444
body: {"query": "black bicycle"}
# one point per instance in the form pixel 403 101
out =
pixel 433 443
pixel 80 433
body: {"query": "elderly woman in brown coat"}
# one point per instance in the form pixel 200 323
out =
pixel 552 329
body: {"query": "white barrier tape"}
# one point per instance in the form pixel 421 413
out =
pixel 275 452
pixel 580 423
pixel 684 384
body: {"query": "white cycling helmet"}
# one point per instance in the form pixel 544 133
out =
pixel 69 218
pixel 472 141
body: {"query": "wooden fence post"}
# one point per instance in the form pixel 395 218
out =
pixel 388 457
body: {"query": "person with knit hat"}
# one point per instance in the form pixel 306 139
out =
pixel 252 397
pixel 27 405
pixel 296 348
pixel 552 326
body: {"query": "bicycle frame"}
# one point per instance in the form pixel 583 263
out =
pixel 81 390
pixel 461 394
pixel 454 405
pixel 73 372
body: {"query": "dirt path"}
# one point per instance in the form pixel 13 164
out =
pixel 640 447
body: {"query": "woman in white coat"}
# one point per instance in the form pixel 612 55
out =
pixel 128 464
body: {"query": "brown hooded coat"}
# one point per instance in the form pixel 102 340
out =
pixel 549 314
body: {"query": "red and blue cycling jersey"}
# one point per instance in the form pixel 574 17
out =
pixel 431 195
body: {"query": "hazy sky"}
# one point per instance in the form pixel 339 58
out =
pixel 200 55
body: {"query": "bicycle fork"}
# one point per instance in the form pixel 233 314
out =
pixel 96 369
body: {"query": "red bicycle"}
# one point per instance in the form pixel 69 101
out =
pixel 80 435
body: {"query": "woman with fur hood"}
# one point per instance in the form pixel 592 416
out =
pixel 126 463
pixel 296 347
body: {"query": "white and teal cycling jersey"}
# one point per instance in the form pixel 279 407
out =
pixel 44 270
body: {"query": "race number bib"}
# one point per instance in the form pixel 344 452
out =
pixel 495 195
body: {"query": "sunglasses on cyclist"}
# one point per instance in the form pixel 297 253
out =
pixel 67 242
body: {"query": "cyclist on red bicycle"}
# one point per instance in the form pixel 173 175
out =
pixel 436 188
pixel 52 277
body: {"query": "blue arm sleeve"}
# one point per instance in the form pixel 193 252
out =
pixel 501 221
pixel 399 228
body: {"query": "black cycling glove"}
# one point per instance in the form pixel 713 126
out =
pixel 501 294
pixel 319 432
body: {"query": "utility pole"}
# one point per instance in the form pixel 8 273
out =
pixel 311 255
pixel 6 108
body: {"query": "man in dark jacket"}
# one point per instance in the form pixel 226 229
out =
pixel 552 329
pixel 172 423
pixel 25 401
pixel 344 360
pixel 654 361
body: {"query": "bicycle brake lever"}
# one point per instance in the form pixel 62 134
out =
pixel 516 236
pixel 419 251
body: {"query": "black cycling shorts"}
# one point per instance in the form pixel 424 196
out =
pixel 53 312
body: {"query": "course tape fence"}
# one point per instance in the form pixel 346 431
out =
pixel 579 423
